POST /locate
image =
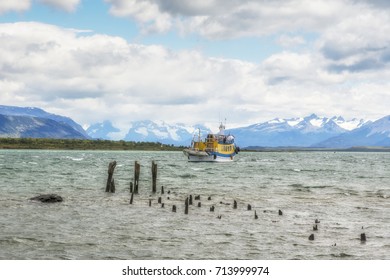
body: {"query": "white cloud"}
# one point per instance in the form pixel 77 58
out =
pixel 146 12
pixel 14 6
pixel 291 41
pixel 94 77
pixel 24 5
pixel 67 5
pixel 231 18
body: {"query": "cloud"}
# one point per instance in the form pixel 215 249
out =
pixel 287 41
pixel 14 6
pixel 24 5
pixel 358 43
pixel 102 76
pixel 66 5
pixel 147 13
pixel 222 19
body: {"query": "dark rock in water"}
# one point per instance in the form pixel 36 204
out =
pixel 363 237
pixel 48 198
pixel 311 237
pixel 280 212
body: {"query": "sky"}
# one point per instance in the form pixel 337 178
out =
pixel 192 62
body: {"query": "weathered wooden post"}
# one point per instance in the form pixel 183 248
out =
pixel 110 186
pixel 190 200
pixel 186 206
pixel 131 198
pixel 137 169
pixel 154 176
pixel 131 187
pixel 235 205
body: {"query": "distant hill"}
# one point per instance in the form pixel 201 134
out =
pixel 293 132
pixel 35 123
pixel 376 133
pixel 309 131
pixel 176 134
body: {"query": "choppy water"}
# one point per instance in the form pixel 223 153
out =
pixel 345 191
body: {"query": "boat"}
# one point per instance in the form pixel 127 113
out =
pixel 213 148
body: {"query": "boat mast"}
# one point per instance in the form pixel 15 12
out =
pixel 222 128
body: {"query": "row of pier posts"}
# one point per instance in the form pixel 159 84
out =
pixel 110 185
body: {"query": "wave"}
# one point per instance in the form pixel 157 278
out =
pixel 342 256
pixel 186 176
pixel 74 158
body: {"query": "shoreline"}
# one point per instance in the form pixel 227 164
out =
pixel 121 145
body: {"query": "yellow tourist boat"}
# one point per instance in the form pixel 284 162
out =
pixel 214 148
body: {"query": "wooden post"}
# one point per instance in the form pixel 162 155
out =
pixel 137 169
pixel 186 206
pixel 162 189
pixel 131 187
pixel 131 198
pixel 154 176
pixel 110 186
pixel 363 237
pixel 190 201
pixel 174 208
pixel 235 205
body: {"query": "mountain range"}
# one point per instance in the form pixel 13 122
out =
pixel 309 131
pixel 29 122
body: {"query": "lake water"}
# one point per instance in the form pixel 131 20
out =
pixel 349 193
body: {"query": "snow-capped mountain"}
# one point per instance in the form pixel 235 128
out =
pixel 33 112
pixel 297 132
pixel 310 131
pixel 176 134
pixel 375 133
pixel 102 130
